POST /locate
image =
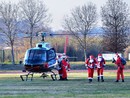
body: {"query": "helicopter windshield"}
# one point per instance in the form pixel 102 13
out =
pixel 35 55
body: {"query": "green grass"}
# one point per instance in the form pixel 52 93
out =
pixel 11 86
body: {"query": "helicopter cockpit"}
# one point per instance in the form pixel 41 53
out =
pixel 35 56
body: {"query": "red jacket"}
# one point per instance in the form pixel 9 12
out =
pixel 100 62
pixel 65 64
pixel 90 63
pixel 118 63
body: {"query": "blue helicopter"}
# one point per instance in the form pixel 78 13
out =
pixel 40 59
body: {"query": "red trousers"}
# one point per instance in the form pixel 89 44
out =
pixel 62 72
pixel 100 71
pixel 120 73
pixel 90 73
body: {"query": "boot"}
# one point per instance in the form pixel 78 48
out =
pixel 90 80
pixel 65 79
pixel 123 80
pixel 61 78
pixel 102 79
pixel 98 78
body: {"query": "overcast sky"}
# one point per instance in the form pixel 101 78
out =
pixel 59 8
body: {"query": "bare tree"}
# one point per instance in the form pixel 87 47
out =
pixel 81 22
pixel 115 19
pixel 8 24
pixel 34 13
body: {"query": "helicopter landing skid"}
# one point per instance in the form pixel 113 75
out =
pixel 30 73
pixel 53 76
pixel 44 75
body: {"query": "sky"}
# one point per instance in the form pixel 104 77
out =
pixel 59 8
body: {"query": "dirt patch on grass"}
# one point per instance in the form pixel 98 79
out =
pixel 73 67
pixel 11 67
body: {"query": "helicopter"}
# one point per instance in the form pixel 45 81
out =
pixel 40 59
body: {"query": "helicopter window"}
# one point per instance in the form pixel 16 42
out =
pixel 37 55
pixel 48 45
pixel 51 54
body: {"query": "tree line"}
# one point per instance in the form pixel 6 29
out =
pixel 31 16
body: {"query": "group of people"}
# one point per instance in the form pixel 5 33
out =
pixel 91 63
pixel 99 63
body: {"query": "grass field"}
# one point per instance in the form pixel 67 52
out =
pixel 77 86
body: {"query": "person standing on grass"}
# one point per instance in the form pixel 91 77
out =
pixel 120 68
pixel 64 67
pixel 100 67
pixel 90 64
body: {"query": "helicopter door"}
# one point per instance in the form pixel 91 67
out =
pixel 51 57
pixel 51 54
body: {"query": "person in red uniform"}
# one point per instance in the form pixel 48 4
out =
pixel 64 66
pixel 100 67
pixel 120 68
pixel 90 64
